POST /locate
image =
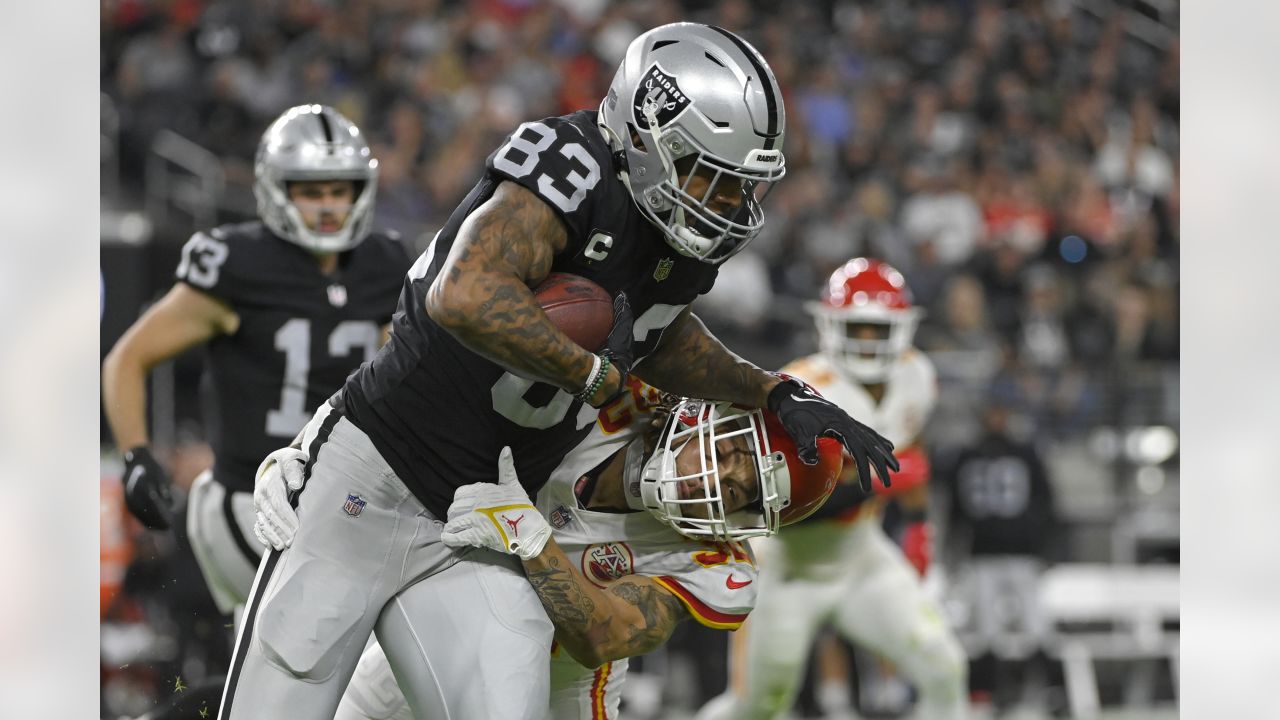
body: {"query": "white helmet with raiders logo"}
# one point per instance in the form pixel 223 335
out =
pixel 317 143
pixel 691 99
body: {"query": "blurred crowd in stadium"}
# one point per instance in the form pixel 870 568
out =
pixel 1017 161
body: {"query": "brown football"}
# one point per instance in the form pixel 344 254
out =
pixel 580 308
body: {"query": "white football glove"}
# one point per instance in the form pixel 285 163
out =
pixel 499 517
pixel 281 472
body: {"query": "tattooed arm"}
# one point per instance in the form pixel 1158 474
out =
pixel 690 361
pixel 483 298
pixel 596 625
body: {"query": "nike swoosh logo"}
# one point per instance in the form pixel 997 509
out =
pixel 133 479
pixel 797 398
pixel 732 584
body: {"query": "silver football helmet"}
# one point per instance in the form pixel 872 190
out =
pixel 698 97
pixel 314 142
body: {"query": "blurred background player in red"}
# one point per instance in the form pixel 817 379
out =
pixel 839 566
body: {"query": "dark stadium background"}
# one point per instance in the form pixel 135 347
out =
pixel 1018 161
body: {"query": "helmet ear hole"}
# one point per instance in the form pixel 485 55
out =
pixel 685 165
pixel 637 140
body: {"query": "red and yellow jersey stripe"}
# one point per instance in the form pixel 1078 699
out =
pixel 700 611
pixel 597 694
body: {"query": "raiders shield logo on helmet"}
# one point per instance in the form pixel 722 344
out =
pixel 660 91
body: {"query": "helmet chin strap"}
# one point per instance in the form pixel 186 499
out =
pixel 700 243
pixel 652 473
pixel 632 469
pixel 615 143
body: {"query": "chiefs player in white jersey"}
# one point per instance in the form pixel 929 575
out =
pixel 839 566
pixel 646 518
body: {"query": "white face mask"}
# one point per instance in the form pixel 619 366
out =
pixel 660 481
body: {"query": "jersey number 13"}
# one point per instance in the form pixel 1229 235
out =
pixel 294 340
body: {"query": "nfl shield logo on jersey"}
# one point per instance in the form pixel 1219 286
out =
pixel 663 269
pixel 560 517
pixel 354 505
pixel 337 295
pixel 660 93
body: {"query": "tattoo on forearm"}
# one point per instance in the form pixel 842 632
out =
pixel 661 611
pixel 588 627
pixel 566 604
pixel 693 362
pixel 505 243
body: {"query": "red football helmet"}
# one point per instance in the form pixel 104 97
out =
pixel 693 502
pixel 865 292
pixel 810 485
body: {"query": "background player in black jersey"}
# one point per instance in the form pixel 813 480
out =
pixel 287 306
pixel 645 196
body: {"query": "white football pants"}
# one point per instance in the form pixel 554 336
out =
pixel 576 693
pixel 854 577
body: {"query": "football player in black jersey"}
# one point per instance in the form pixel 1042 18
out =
pixel 645 197
pixel 287 307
